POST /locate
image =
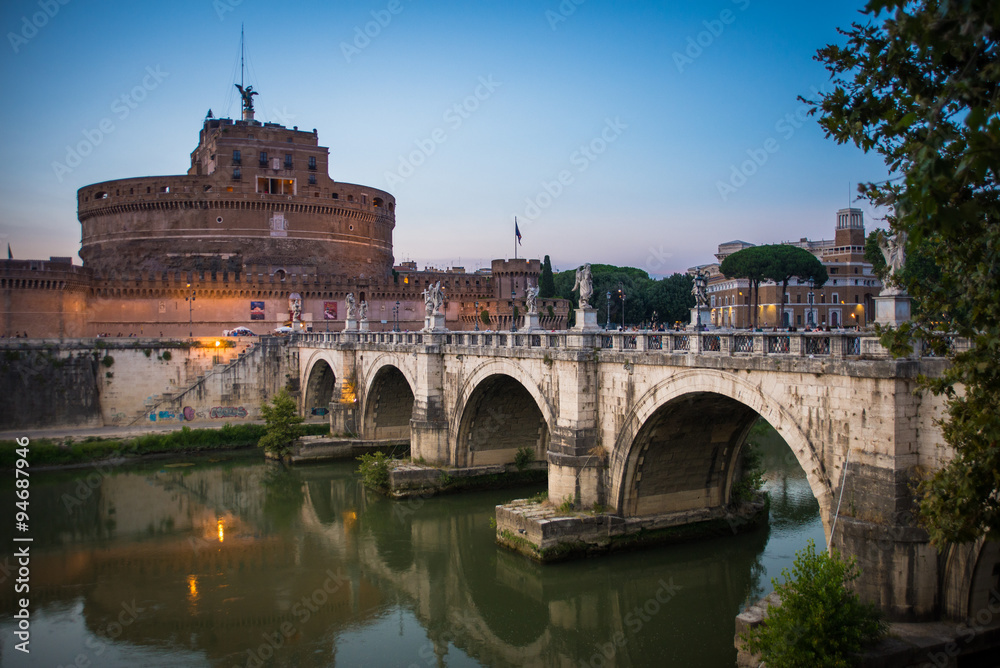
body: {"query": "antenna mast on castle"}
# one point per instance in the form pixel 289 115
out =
pixel 248 92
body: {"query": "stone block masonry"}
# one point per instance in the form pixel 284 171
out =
pixel 121 382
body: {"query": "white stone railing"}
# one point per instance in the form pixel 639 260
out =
pixel 713 342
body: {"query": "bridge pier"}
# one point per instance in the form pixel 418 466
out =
pixel 576 461
pixel 429 425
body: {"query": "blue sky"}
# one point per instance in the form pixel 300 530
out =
pixel 610 129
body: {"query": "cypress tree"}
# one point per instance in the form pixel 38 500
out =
pixel 546 284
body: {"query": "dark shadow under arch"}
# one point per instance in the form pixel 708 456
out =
pixel 500 417
pixel 319 387
pixel 684 456
pixel 388 405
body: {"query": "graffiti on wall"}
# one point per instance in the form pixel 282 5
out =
pixel 228 412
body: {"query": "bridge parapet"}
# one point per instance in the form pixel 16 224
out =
pixel 836 345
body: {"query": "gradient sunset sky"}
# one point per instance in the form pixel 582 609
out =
pixel 610 129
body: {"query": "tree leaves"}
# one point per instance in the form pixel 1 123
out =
pixel 918 84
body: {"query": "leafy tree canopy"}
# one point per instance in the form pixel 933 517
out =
pixel 670 298
pixel 772 262
pixel 918 84
pixel 282 420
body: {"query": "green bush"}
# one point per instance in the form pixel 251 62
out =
pixel 45 452
pixel 567 505
pixel 523 457
pixel 281 418
pixel 374 470
pixel 752 477
pixel 819 622
pixel 108 360
pixel 166 356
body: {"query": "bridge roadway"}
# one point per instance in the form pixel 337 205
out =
pixel 652 423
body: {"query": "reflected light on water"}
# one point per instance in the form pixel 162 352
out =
pixel 350 519
pixel 222 535
pixel 192 581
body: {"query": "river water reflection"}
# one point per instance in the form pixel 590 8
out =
pixel 239 563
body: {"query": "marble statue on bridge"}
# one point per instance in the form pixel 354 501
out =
pixel 351 307
pixel 585 283
pixel 363 310
pixel 433 298
pixel 894 251
pixel 530 299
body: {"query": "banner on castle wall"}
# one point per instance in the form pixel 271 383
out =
pixel 329 310
pixel 256 310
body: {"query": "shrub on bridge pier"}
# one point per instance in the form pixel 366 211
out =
pixel 819 622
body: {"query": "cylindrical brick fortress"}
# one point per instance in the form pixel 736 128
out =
pixel 255 195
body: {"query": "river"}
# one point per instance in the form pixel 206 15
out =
pixel 234 562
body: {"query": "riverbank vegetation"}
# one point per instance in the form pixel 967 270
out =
pixel 282 424
pixel 820 622
pixel 47 452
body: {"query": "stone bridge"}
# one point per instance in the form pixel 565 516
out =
pixel 648 423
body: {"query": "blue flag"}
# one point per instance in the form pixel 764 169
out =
pixel 517 232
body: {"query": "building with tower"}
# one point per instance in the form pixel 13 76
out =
pixel 846 300
pixel 256 219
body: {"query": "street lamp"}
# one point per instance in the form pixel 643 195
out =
pixel 477 316
pixel 621 291
pixel 607 325
pixel 190 301
pixel 812 286
pixel 395 317
pixel 513 320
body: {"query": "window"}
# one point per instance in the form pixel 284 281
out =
pixel 288 161
pixel 350 198
pixel 377 201
pixel 856 300
pixel 834 270
pixel 798 298
pixel 275 186
pixel 263 158
pixel 237 174
pixel 335 195
pixel 836 298
pixel 312 162
pixel 312 179
pixel 822 298
pixel 237 158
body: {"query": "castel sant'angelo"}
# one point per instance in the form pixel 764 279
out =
pixel 255 222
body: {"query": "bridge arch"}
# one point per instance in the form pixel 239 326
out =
pixel 690 408
pixel 388 405
pixel 320 382
pixel 499 409
pixel 386 388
